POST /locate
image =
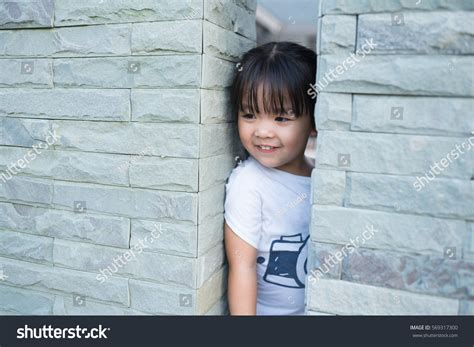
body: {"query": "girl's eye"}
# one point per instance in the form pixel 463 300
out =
pixel 282 119
pixel 247 116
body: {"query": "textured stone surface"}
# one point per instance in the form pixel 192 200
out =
pixel 210 233
pixel 231 17
pixel 217 73
pixel 393 154
pixel 224 43
pixel 174 238
pixel 165 105
pixel 26 189
pixel 416 273
pixel 26 14
pixel 130 72
pixel 215 170
pixel 66 306
pixel 28 247
pixel 210 294
pixel 333 111
pixel 146 41
pixel 25 302
pixel 163 268
pixel 161 299
pixel 418 115
pixel 421 33
pixel 398 74
pixel 65 42
pixel 113 105
pixel 70 12
pixel 173 174
pixel 373 6
pixel 330 186
pixel 215 106
pixel 26 73
pixel 113 231
pixel 67 165
pixel 319 261
pixel 396 232
pixel 58 280
pixel 339 34
pixel 139 203
pixel 345 298
pixel 442 197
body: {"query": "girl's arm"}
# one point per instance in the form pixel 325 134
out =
pixel 242 286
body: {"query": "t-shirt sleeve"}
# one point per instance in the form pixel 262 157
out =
pixel 243 209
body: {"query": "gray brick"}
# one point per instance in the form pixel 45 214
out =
pixel 173 174
pixel 161 299
pixel 333 111
pixel 28 73
pixel 319 261
pixel 146 41
pixel 397 74
pixel 421 33
pixel 419 115
pixel 210 233
pixel 26 302
pixel 441 198
pixel 67 42
pixel 217 73
pixel 133 263
pixel 27 247
pixel 174 238
pixel 25 189
pixel 65 306
pixel 25 133
pixel 165 105
pixel 67 165
pixel 209 263
pixel 136 203
pixel 215 170
pixel 64 281
pixel 66 104
pixel 217 139
pixel 393 231
pixel 112 231
pixel 346 298
pixel 119 72
pixel 231 17
pixel 416 273
pixel 329 187
pixel 211 202
pixel 211 292
pixel 161 139
pixel 26 14
pixel 215 106
pixel 223 43
pixel 364 6
pixel 70 12
pixel 338 34
pixel 393 154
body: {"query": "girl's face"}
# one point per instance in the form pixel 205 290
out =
pixel 284 133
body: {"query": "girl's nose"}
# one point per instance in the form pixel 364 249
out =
pixel 264 130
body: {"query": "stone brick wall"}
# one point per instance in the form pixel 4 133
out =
pixel 115 144
pixel 393 205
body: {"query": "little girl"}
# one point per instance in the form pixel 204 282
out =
pixel 267 207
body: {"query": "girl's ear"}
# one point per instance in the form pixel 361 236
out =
pixel 313 133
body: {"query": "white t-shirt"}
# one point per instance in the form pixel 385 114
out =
pixel 270 209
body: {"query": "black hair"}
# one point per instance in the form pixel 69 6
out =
pixel 280 68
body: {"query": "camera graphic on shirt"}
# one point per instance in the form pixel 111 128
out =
pixel 287 262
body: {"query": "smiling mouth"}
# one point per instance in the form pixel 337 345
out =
pixel 266 149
